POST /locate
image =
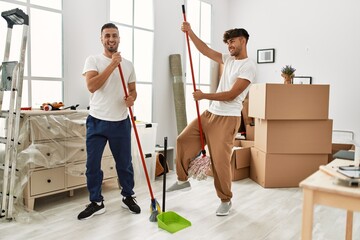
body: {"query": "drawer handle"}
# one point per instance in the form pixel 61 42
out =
pixel 49 180
pixel 111 168
pixel 82 149
pixel 48 154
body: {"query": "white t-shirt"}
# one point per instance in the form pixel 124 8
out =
pixel 233 69
pixel 107 103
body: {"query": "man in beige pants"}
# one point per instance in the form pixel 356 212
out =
pixel 221 121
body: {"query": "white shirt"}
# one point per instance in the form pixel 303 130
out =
pixel 107 103
pixel 233 69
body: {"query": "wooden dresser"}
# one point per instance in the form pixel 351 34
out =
pixel 53 153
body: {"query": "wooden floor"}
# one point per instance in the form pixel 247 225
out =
pixel 257 214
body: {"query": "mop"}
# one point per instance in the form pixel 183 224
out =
pixel 155 206
pixel 201 163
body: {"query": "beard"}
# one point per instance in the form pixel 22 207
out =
pixel 235 52
pixel 112 49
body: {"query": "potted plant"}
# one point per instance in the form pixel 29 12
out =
pixel 287 73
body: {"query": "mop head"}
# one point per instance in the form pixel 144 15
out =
pixel 199 167
pixel 155 210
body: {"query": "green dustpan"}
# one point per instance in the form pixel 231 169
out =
pixel 172 222
pixel 169 221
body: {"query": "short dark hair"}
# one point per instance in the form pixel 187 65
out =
pixel 236 32
pixel 108 25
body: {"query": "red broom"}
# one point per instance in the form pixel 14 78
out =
pixel 155 206
pixel 201 163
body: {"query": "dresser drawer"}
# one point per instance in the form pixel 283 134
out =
pixel 75 149
pixel 76 124
pixel 76 128
pixel 46 127
pixel 47 180
pixel 75 174
pixel 46 154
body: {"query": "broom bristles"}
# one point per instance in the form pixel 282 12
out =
pixel 155 210
pixel 153 216
pixel 198 167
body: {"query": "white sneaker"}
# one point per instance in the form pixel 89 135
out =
pixel 178 186
pixel 223 209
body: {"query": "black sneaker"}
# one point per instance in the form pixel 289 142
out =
pixel 130 203
pixel 92 209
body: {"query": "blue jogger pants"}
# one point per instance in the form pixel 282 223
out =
pixel 118 134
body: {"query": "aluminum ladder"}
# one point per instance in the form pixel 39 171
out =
pixel 12 73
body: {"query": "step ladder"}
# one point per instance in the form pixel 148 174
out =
pixel 12 73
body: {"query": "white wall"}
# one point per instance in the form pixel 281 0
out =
pixel 319 38
pixel 81 30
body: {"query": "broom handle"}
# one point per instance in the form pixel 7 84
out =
pixel 136 135
pixel 165 170
pixel 194 85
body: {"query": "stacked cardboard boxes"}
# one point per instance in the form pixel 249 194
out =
pixel 292 132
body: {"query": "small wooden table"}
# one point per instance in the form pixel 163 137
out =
pixel 319 188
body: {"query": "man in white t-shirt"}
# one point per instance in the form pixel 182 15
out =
pixel 220 123
pixel 108 121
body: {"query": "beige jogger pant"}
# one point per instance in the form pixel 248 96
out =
pixel 219 133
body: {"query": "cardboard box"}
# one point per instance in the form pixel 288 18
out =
pixel 283 170
pixel 289 101
pixel 243 143
pixel 294 136
pixel 240 173
pixel 240 160
pixel 335 147
pixel 237 174
pixel 250 132
pixel 339 146
pixel 245 112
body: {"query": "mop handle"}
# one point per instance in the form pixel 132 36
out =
pixel 136 135
pixel 194 85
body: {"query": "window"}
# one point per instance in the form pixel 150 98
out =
pixel 135 21
pixel 198 13
pixel 43 70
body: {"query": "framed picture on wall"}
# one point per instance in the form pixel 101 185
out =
pixel 302 80
pixel 266 55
